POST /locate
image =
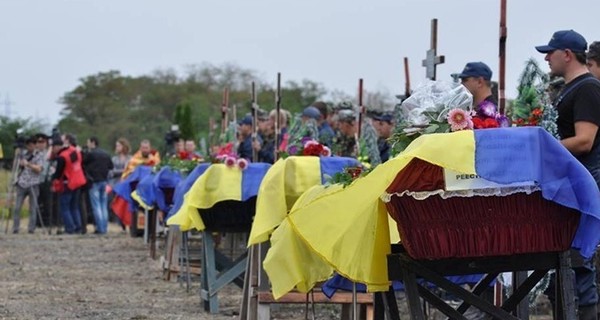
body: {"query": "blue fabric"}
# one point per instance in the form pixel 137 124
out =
pixel 508 155
pixel 251 179
pixel 146 191
pixel 165 178
pixel 333 165
pixel 124 188
pixel 337 282
pixel 184 185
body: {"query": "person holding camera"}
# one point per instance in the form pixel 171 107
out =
pixel 28 178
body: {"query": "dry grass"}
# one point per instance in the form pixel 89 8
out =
pixel 5 177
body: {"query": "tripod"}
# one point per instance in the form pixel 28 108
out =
pixel 10 191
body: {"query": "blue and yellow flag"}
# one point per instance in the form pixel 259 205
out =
pixel 285 182
pixel 347 230
pixel 218 183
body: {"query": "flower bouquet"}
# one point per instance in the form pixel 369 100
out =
pixel 307 147
pixel 227 156
pixel 440 107
pixel 427 110
pixel 181 162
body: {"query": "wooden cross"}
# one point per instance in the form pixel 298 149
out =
pixel 432 60
pixel 502 58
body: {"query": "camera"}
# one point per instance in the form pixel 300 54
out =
pixel 173 135
pixel 20 139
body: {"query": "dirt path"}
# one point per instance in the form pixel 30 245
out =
pixel 105 277
pixel 92 277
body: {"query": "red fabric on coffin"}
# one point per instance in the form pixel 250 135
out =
pixel 121 209
pixel 476 226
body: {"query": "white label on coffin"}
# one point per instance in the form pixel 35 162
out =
pixel 460 181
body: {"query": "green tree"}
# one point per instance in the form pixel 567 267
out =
pixel 110 105
pixel 10 129
pixel 184 119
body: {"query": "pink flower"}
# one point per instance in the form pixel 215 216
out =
pixel 458 119
pixel 310 143
pixel 326 152
pixel 230 162
pixel 242 163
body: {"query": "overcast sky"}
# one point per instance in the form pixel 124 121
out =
pixel 46 46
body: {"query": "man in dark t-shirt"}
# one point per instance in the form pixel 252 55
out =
pixel 578 106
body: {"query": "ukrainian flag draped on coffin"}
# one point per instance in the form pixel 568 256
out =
pixel 346 229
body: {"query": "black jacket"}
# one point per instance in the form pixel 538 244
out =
pixel 96 164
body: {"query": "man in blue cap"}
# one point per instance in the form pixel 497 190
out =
pixel 578 106
pixel 245 138
pixel 326 133
pixel 384 125
pixel 477 78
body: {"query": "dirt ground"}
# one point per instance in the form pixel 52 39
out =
pixel 103 277
pixel 111 276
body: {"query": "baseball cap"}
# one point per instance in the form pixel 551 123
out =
pixel 564 39
pixel 476 69
pixel 262 114
pixel 384 116
pixel 311 112
pixel 346 115
pixel 246 120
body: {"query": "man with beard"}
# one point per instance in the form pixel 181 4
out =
pixel 145 156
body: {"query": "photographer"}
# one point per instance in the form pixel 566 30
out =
pixel 28 178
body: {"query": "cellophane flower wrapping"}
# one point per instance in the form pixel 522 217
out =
pixel 432 101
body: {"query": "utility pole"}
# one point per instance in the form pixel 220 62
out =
pixel 7 106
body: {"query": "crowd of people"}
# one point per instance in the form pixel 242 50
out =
pixel 334 126
pixel 64 181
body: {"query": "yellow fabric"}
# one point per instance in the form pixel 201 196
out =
pixel 138 160
pixel 307 265
pixel 347 228
pixel 281 186
pixel 135 196
pixel 218 183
